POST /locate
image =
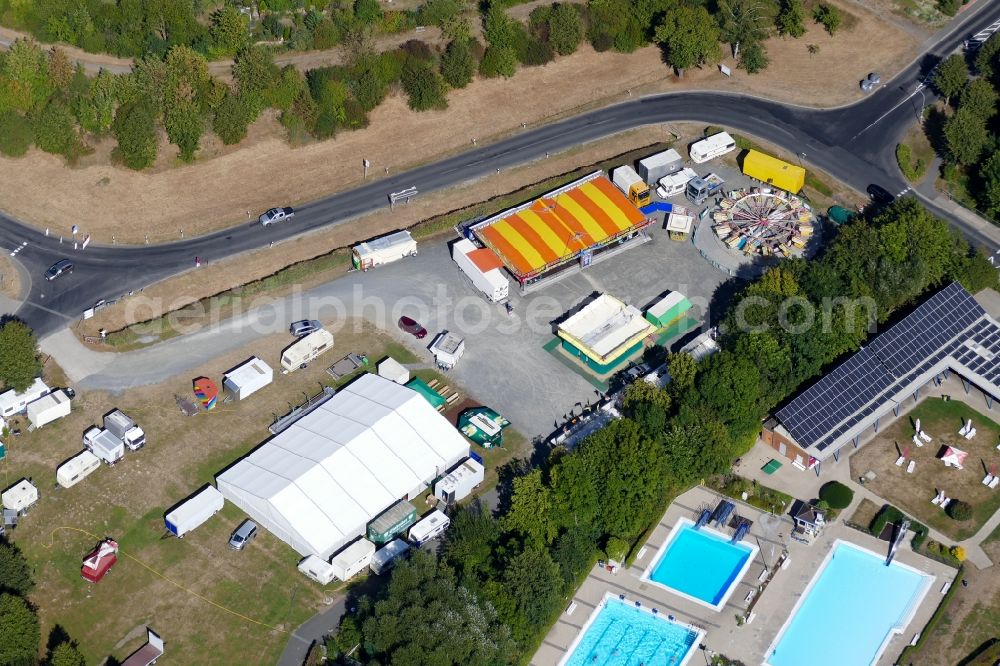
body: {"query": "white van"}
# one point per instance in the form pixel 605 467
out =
pixel 714 146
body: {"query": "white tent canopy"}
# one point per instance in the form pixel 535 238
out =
pixel 954 457
pixel 317 484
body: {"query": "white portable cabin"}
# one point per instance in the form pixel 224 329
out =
pixel 103 444
pixel 306 349
pixel 447 349
pixel 12 402
pixel 194 511
pixel 655 167
pixel 76 469
pixel 384 250
pixel 714 146
pixel 315 567
pixel 20 497
pixel 49 408
pixel 429 527
pixel 459 482
pixel 385 558
pixel 353 560
pixel 247 378
pixel 393 370
pixel 483 267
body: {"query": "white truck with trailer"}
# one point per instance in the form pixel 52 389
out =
pixel 483 268
pixel 385 558
pixel 103 444
pixel 714 146
pixel 124 428
pixel 655 167
pixel 701 188
pixel 383 250
pixel 628 181
pixel 429 527
pixel 76 469
pixel 194 511
pixel 674 184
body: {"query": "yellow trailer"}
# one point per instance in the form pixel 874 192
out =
pixel 774 172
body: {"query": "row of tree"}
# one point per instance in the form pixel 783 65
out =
pixel 968 133
pixel 502 580
pixel 20 633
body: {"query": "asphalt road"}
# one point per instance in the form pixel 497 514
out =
pixel 854 144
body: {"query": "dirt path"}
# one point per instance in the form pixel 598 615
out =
pixel 224 183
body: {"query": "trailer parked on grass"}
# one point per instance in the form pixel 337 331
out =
pixel 655 167
pixel 353 559
pixel 386 557
pixel 20 497
pixel 194 511
pixel 12 402
pixel 304 350
pixel 383 250
pixel 714 146
pixel 76 469
pixel 98 562
pixel 49 408
pixel 103 444
pixel 247 378
pixel 483 268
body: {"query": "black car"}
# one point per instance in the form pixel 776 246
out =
pixel 880 195
pixel 58 269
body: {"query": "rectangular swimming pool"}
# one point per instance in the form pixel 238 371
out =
pixel 620 634
pixel 700 564
pixel 851 608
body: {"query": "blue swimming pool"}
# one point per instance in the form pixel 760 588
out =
pixel 619 634
pixel 700 564
pixel 849 611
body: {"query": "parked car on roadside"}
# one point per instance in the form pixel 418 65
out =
pixel 412 327
pixel 304 327
pixel 243 534
pixel 276 215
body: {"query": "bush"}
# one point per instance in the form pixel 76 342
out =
pixel 55 129
pixel 959 510
pixel 958 553
pixel 498 62
pixel 602 42
pixel 949 7
pixel 904 159
pixel 753 58
pixel 15 134
pixel 829 16
pixel 424 87
pixel 837 495
pixel 616 549
pixel 458 64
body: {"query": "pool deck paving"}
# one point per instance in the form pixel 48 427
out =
pixel 750 641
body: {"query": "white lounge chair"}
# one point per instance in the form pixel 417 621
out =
pixel 945 502
pixel 964 429
pixel 995 482
pixel 900 460
pixel 571 609
pixel 987 479
pixel 917 442
pixel 924 436
pixel 970 434
pixel 912 466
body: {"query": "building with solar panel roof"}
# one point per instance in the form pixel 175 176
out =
pixel 949 332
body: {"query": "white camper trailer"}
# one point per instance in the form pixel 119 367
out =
pixel 714 146
pixel 247 378
pixel 12 402
pixel 387 556
pixel 76 469
pixel 429 527
pixel 447 349
pixel 20 497
pixel 384 250
pixel 353 560
pixel 49 408
pixel 306 349
pixel 194 511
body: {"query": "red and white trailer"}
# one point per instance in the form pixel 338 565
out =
pixel 100 560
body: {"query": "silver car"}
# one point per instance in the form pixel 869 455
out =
pixel 276 215
pixel 243 534
pixel 304 327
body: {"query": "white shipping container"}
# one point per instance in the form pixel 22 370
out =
pixel 194 511
pixel 491 281
pixel 247 378
pixel 76 469
pixel 352 560
pixel 385 558
pixel 306 349
pixel 712 147
pixel 459 482
pixel 49 408
pixel 383 250
pixel 430 526
pixel 659 165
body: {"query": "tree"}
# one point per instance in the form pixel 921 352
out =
pixel 424 86
pixel 682 368
pixel 949 7
pixel 836 495
pixel 530 513
pixel 966 136
pixel 256 75
pixel 458 64
pixel 498 27
pixel 25 79
pixel 498 62
pixel 60 69
pixel 959 510
pixel 15 572
pixel 743 21
pixel 690 37
pixel 15 134
pixel 470 542
pixel 229 31
pixel 950 76
pixel 66 654
pixel 20 634
pixel 532 584
pixel 829 16
pixel 95 109
pixel 565 28
pixel 988 56
pixel 367 12
pixel 55 129
pixel 754 58
pixel 648 405
pixel 134 128
pixel 958 553
pixel 232 119
pixel 18 355
pixel 184 126
pixel 791 18
pixel 989 192
pixel 980 98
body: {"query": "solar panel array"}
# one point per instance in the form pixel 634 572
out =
pixel 894 359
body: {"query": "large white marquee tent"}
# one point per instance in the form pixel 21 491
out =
pixel 317 484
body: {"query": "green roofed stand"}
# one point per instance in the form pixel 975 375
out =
pixel 483 426
pixel 667 309
pixel 429 394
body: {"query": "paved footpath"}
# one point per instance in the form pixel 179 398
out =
pixel 313 629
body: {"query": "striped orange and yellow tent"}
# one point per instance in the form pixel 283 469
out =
pixel 553 229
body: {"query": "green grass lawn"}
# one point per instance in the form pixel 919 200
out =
pixel 912 492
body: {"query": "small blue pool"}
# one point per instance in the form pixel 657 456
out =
pixel 700 564
pixel 620 634
pixel 850 610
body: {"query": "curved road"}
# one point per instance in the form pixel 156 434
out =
pixel 855 144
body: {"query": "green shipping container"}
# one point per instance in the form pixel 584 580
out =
pixel 391 522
